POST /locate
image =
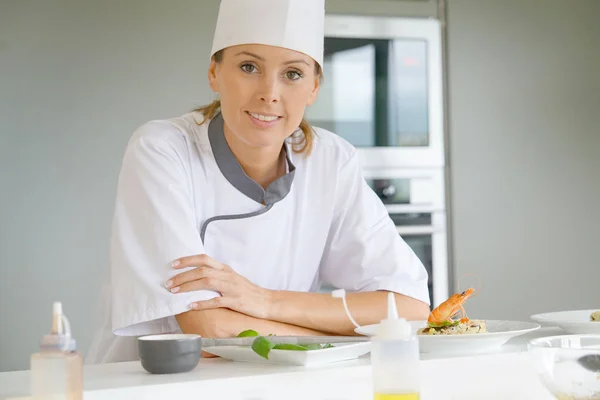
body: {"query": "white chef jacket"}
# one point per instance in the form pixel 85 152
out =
pixel 182 192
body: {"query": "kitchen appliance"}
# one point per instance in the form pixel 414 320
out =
pixel 382 92
pixel 382 89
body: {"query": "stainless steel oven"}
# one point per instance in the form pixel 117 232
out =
pixel 382 92
pixel 383 89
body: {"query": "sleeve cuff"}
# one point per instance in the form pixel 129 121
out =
pixel 157 319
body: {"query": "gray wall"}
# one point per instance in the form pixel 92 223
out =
pixel 76 77
pixel 525 153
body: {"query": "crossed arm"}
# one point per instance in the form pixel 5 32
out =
pixel 244 305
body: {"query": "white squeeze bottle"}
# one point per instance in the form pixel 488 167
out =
pixel 395 358
pixel 57 370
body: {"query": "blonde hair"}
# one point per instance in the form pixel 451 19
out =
pixel 302 145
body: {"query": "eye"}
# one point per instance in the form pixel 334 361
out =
pixel 248 68
pixel 293 75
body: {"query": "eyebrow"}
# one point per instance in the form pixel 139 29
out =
pixel 247 53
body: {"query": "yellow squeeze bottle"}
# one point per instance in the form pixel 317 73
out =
pixel 395 358
pixel 57 370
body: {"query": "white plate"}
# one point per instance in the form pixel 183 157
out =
pixel 571 322
pixel 340 352
pixel 498 333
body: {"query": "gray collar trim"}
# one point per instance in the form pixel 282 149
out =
pixel 233 172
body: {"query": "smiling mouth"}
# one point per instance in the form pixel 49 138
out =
pixel 263 117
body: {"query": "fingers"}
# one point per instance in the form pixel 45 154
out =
pixel 209 283
pixel 208 355
pixel 217 302
pixel 197 261
pixel 190 276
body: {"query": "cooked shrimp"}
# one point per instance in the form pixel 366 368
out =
pixel 444 312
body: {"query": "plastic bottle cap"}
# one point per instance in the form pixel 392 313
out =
pixel 393 327
pixel 60 337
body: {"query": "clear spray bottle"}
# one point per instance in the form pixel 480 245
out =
pixel 57 370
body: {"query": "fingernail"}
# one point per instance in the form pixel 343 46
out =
pixel 175 289
pixel 169 283
pixel 175 263
pixel 193 305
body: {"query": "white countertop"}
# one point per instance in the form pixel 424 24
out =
pixel 505 374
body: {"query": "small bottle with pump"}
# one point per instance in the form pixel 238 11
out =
pixel 57 370
pixel 395 358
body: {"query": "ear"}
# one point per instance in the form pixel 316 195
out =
pixel 313 94
pixel 212 76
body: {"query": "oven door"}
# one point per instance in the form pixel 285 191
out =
pixel 382 89
pixel 429 244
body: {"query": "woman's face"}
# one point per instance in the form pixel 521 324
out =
pixel 264 91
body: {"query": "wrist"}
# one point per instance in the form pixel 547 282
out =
pixel 271 303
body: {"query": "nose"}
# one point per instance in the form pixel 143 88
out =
pixel 268 92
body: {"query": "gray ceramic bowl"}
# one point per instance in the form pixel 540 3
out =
pixel 169 353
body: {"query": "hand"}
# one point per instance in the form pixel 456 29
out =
pixel 207 355
pixel 237 292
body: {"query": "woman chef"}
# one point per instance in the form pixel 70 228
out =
pixel 230 217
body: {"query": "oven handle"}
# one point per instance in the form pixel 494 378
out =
pixel 419 230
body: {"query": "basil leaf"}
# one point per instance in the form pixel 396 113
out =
pixel 248 333
pixel 305 347
pixel 284 346
pixel 313 347
pixel 262 346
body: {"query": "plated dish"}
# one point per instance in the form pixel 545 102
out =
pixel 572 322
pixel 446 332
pixel 263 350
pixel 497 333
pixel 333 353
pixel 461 328
pixel 441 322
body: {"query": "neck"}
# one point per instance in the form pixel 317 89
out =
pixel 262 164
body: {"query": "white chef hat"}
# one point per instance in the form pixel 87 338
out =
pixel 294 24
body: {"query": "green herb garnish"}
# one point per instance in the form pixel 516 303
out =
pixel 262 346
pixel 248 333
pixel 314 346
pixel 444 324
pixel 284 346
